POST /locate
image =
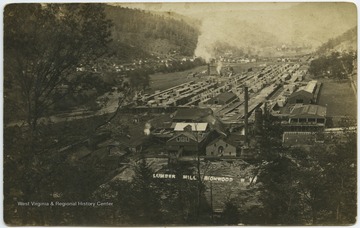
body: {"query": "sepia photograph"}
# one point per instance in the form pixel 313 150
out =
pixel 180 114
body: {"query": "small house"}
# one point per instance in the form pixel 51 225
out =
pixel 225 146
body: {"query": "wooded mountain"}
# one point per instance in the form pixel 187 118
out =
pixel 345 42
pixel 139 33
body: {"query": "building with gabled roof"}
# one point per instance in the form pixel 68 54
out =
pixel 311 86
pixel 305 95
pixel 300 97
pixel 305 117
pixel 186 143
pixel 225 146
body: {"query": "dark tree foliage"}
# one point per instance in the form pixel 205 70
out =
pixel 342 176
pixel 146 30
pixel 313 187
pixel 179 200
pixel 145 197
pixel 148 201
pixel 231 214
pixel 270 144
pixel 46 174
pixel 336 66
pixel 43 44
pixel 304 186
pixel 280 197
pixel 139 79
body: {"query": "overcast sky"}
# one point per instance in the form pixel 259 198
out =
pixel 187 8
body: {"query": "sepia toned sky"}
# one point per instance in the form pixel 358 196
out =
pixel 187 8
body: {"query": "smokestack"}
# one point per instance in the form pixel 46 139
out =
pixel 246 97
pixel 208 70
pixel 258 121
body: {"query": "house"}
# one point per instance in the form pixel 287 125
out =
pixel 186 143
pixel 300 97
pixel 225 146
pixel 306 95
pixel 219 147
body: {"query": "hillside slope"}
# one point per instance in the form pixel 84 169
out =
pixel 137 33
pixel 345 42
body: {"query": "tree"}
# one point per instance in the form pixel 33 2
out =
pixel 43 45
pixel 139 79
pixel 280 192
pixel 230 214
pixel 178 202
pixel 270 143
pixel 313 185
pixel 341 176
pixel 145 198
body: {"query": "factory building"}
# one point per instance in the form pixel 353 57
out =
pixel 305 118
pixel 300 97
pixel 306 95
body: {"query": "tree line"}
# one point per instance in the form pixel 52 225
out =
pixel 304 186
pixel 336 65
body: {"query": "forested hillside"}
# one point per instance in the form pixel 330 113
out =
pixel 345 42
pixel 137 33
pixel 336 56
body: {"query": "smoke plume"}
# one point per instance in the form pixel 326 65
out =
pixel 147 129
pixel 218 67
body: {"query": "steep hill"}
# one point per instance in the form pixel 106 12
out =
pixel 345 42
pixel 138 33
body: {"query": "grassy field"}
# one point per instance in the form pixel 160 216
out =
pixel 339 98
pixel 161 81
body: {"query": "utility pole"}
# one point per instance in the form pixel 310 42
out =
pixel 246 97
pixel 211 203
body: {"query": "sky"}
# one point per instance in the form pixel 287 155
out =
pixel 192 9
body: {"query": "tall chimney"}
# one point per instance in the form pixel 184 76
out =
pixel 246 97
pixel 208 69
pixel 258 121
